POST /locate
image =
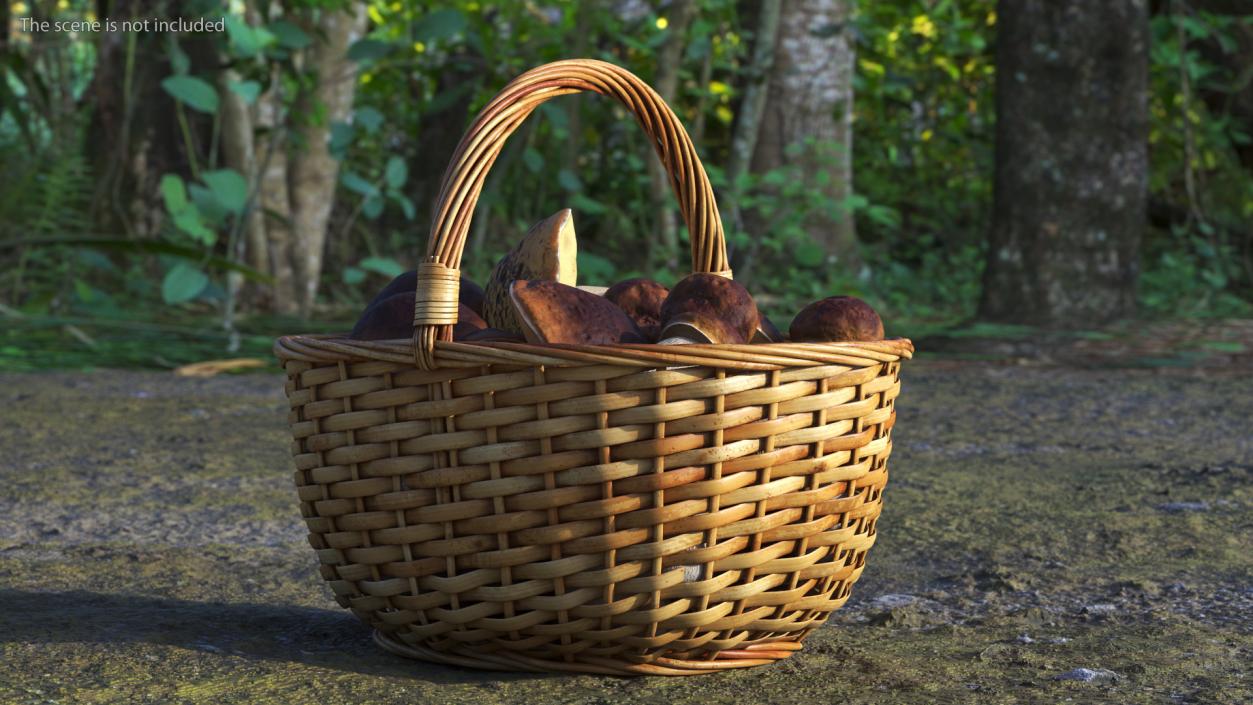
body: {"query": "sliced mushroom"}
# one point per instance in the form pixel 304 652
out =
pixel 547 252
pixel 551 312
pixel 641 300
pixel 593 289
pixel 468 293
pixel 767 332
pixel 837 318
pixel 707 308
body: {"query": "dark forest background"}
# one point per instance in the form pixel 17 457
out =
pixel 170 196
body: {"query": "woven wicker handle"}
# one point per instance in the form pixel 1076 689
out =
pixel 435 309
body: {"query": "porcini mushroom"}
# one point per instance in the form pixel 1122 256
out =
pixel 641 300
pixel 766 331
pixel 551 312
pixel 467 322
pixel 708 308
pixel 388 319
pixel 468 292
pixel 547 252
pixel 837 318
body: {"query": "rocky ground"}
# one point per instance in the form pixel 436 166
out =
pixel 1050 534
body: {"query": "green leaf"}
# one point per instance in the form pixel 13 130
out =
pixel 174 193
pixel 369 50
pixel 193 92
pixel 372 208
pixel 289 35
pixel 183 283
pixel 382 265
pixel 569 181
pixel 341 139
pixel 247 40
pixel 441 24
pixel 585 204
pixel 229 188
pixel 353 275
pixel 248 90
pixel 368 117
pixel 151 247
pixel 533 160
pixel 397 172
pixel 189 221
pixel 356 183
pixel 809 255
pixel 405 204
pixel 212 212
pixel 595 268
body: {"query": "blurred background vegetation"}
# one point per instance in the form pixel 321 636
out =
pixel 171 193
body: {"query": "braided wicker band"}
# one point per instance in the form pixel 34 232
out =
pixel 483 141
pixel 619 509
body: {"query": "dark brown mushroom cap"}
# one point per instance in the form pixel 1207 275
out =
pixel 641 300
pixel 709 308
pixel 469 293
pixel 467 322
pixel 388 319
pixel 492 335
pixel 767 331
pixel 551 312
pixel 837 318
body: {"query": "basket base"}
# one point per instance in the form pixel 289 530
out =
pixel 756 655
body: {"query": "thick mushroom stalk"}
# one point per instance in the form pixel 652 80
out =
pixel 551 312
pixel 641 300
pixel 707 308
pixel 838 318
pixel 547 252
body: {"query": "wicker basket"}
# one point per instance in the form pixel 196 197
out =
pixel 621 509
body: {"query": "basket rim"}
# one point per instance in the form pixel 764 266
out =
pixel 758 356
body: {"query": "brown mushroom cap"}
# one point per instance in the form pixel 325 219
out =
pixel 556 313
pixel 837 318
pixel 707 308
pixel 767 331
pixel 641 300
pixel 388 319
pixel 468 293
pixel 467 322
pixel 491 335
pixel 548 251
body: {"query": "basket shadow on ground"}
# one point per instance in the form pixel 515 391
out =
pixel 326 638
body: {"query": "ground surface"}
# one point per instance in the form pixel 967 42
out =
pixel 1039 520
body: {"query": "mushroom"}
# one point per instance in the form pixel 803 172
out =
pixel 467 322
pixel 468 293
pixel 491 335
pixel 767 332
pixel 641 300
pixel 386 319
pixel 392 319
pixel 551 312
pixel 593 289
pixel 547 252
pixel 708 308
pixel 837 318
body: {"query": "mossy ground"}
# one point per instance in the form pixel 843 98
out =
pixel 1038 520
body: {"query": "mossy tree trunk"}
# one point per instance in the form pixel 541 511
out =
pixel 1071 181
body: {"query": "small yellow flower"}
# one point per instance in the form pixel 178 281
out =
pixel 991 20
pixel 18 8
pixel 662 23
pixel 366 78
pixel 922 25
pixel 419 47
pixel 719 88
pixel 724 114
pixel 927 135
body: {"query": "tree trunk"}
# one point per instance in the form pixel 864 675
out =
pixel 811 96
pixel 313 171
pixel 666 82
pixel 1071 182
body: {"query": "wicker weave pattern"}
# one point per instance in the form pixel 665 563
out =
pixel 624 509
